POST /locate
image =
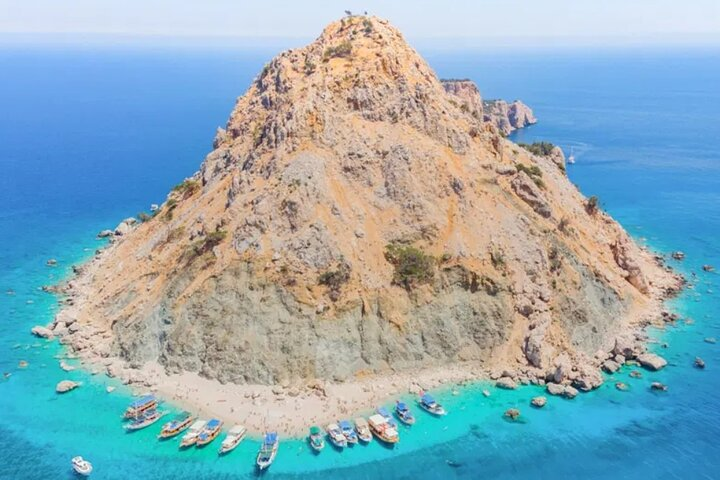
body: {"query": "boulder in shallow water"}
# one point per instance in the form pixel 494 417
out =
pixel 105 234
pixel 539 402
pixel 42 332
pixel 636 374
pixel 51 263
pixel 65 386
pixel 699 362
pixel 711 340
pixel 507 383
pixel 561 390
pixel 658 386
pixel 651 361
pixel 621 386
pixel 611 366
pixel 512 413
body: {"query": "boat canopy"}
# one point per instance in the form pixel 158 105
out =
pixel 345 425
pixel 315 430
pixel 377 420
pixel 141 402
pixel 213 423
pixel 237 430
pixel 361 422
pixel 270 438
pixel 427 399
pixel 383 411
pixel 198 425
pixel 402 407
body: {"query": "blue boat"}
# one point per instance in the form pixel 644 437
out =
pixel 209 433
pixel 141 405
pixel 428 403
pixel 348 431
pixel 268 450
pixel 382 411
pixel 403 413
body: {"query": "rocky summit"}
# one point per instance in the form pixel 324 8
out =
pixel 359 216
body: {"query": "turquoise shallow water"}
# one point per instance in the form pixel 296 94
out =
pixel 89 137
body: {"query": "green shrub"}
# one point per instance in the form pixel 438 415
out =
pixel 542 149
pixel 533 172
pixel 208 242
pixel 335 279
pixel 498 259
pixel 412 265
pixel 170 206
pixel 144 217
pixel 187 188
pixel 343 50
pixel 592 205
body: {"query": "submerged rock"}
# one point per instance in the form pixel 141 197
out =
pixel 51 263
pixel 708 268
pixel 611 366
pixel 512 413
pixel 506 383
pixel 710 340
pixel 621 386
pixel 561 390
pixel 699 362
pixel 636 374
pixel 105 234
pixel 539 402
pixel 658 386
pixel 65 386
pixel 678 255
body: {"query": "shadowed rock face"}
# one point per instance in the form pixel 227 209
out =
pixel 356 215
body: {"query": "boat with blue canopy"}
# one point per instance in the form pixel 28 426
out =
pixel 386 415
pixel 335 435
pixel 428 403
pixel 178 424
pixel 141 405
pixel 209 433
pixel 268 450
pixel 144 420
pixel 403 413
pixel 348 431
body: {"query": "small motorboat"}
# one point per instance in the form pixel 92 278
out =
pixel 383 430
pixel 81 466
pixel 348 431
pixel 190 438
pixel 268 450
pixel 317 442
pixel 386 414
pixel 177 425
pixel 363 430
pixel 336 436
pixel 234 436
pixel 140 406
pixel 428 403
pixel 404 414
pixel 209 433
pixel 144 420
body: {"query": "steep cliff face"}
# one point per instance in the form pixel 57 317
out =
pixel 355 216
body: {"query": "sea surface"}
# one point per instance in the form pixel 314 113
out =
pixel 89 136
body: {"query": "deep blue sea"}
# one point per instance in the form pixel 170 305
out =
pixel 92 135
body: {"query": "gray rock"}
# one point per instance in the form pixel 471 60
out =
pixel 42 332
pixel 525 188
pixel 611 366
pixel 651 361
pixel 105 234
pixel 539 402
pixel 506 383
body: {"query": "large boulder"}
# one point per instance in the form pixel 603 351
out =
pixel 507 383
pixel 651 361
pixel 561 390
pixel 587 378
pixel 65 386
pixel 563 367
pixel 611 366
pixel 42 332
pixel 105 234
pixel 625 257
pixel 125 226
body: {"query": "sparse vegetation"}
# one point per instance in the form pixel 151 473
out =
pixel 555 259
pixel 498 259
pixel 144 217
pixel 187 188
pixel 170 206
pixel 412 266
pixel 335 279
pixel 343 50
pixel 207 243
pixel 533 171
pixel 175 234
pixel 542 149
pixel 367 26
pixel 592 205
pixel 563 224
pixel 309 66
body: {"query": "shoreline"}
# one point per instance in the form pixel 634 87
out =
pixel 291 409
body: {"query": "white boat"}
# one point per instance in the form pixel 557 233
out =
pixel 363 430
pixel 190 438
pixel 383 430
pixel 81 466
pixel 428 403
pixel 268 450
pixel 335 435
pixel 144 420
pixel 571 158
pixel 234 436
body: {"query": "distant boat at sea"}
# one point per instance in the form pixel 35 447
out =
pixel 571 158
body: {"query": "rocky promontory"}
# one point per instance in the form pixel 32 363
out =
pixel 359 219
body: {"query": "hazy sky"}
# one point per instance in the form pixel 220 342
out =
pixel 666 21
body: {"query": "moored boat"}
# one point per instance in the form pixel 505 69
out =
pixel 317 442
pixel 144 420
pixel 428 403
pixel 178 424
pixel 141 405
pixel 363 430
pixel 348 431
pixel 404 414
pixel 268 450
pixel 336 436
pixel 386 415
pixel 234 436
pixel 209 433
pixel 383 430
pixel 81 466
pixel 192 434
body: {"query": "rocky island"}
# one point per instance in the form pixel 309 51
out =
pixel 360 229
